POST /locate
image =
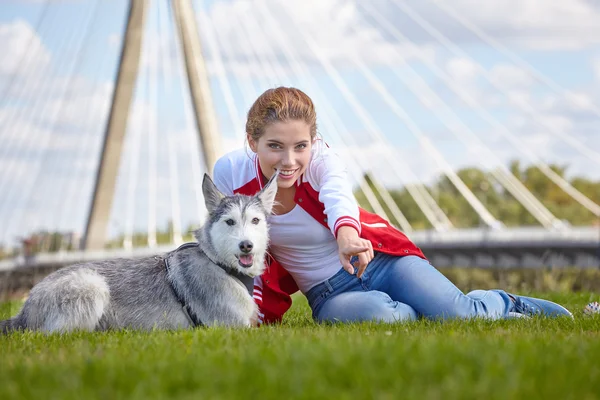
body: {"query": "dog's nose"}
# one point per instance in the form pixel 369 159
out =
pixel 246 246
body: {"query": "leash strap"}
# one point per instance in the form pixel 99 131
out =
pixel 246 281
pixel 187 310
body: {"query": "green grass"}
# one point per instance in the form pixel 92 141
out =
pixel 537 358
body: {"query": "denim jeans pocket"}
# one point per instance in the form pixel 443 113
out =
pixel 317 294
pixel 322 298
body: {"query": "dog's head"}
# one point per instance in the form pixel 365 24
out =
pixel 236 232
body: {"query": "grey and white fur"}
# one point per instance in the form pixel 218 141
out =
pixel 195 284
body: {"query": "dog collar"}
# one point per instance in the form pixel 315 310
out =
pixel 246 281
pixel 243 279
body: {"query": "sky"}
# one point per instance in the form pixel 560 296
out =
pixel 404 89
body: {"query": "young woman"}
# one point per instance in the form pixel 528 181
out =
pixel 351 265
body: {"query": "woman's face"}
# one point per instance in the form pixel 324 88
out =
pixel 284 146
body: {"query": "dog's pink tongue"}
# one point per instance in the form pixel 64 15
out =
pixel 246 260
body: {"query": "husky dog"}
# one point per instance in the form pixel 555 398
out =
pixel 205 283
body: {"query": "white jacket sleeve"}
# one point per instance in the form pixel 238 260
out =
pixel 328 175
pixel 223 175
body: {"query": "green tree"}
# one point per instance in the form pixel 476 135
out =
pixel 499 201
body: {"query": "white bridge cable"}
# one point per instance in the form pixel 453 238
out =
pixel 197 163
pixel 528 200
pixel 13 139
pixel 248 90
pixel 519 145
pixel 153 128
pixel 573 142
pixel 56 193
pixel 371 198
pixel 582 199
pixel 75 193
pixel 221 74
pixel 134 135
pixel 417 85
pixel 217 59
pixel 34 146
pixel 557 88
pixel 416 131
pixel 331 119
pixel 553 176
pixel 244 83
pixel 165 34
pixel 37 189
pixel 11 118
pixel 433 213
pixel 21 65
pixel 245 34
pixel 247 94
pixel 64 217
pixel 518 189
pixel 272 72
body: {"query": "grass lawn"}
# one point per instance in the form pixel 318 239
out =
pixel 524 359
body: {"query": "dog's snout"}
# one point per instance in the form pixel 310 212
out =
pixel 246 246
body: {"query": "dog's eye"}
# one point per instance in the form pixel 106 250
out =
pixel 255 221
pixel 230 222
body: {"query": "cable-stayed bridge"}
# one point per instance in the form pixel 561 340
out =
pixel 111 112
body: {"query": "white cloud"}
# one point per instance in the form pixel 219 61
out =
pixel 340 30
pixel 578 105
pixel 462 70
pixel 50 1
pixel 115 41
pixel 336 28
pixel 510 76
pixel 536 24
pixel 596 69
pixel 22 49
pixel 393 166
pixel 82 104
pixel 49 126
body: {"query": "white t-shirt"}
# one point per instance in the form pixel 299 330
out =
pixel 304 247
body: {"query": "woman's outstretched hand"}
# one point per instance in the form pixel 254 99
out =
pixel 350 244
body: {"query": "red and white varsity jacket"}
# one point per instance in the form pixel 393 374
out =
pixel 324 192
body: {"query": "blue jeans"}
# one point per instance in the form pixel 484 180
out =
pixel 400 289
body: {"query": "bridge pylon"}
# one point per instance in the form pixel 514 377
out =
pixel 197 77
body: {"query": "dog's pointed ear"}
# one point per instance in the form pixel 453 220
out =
pixel 267 194
pixel 212 196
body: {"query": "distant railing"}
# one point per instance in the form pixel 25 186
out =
pixel 587 237
pixel 523 235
